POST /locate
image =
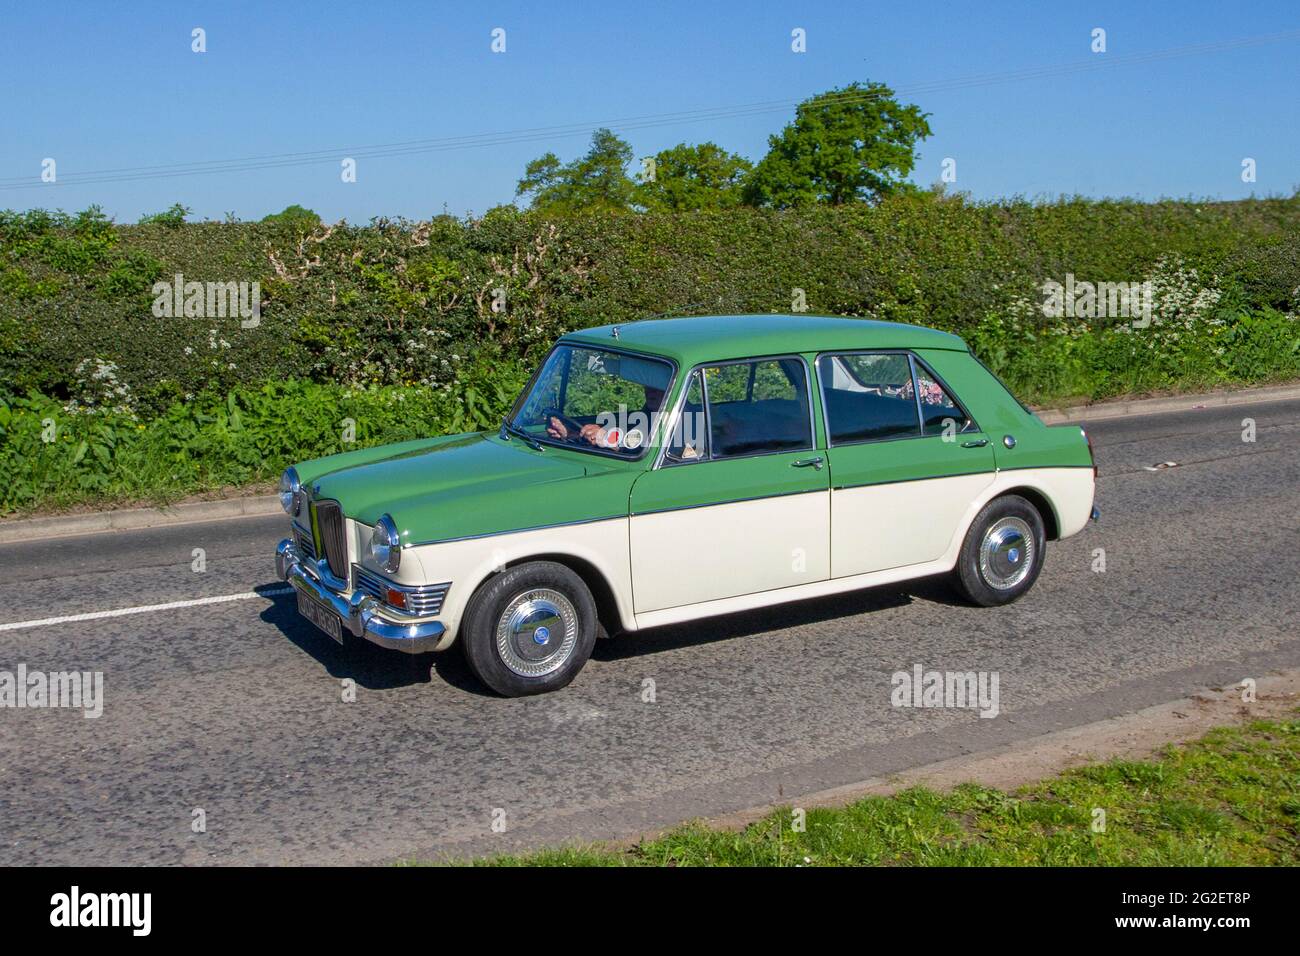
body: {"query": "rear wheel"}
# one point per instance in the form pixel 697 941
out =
pixel 530 629
pixel 1003 552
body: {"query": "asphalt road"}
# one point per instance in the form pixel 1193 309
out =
pixel 237 707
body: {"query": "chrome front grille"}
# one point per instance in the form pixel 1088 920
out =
pixel 302 541
pixel 424 600
pixel 333 537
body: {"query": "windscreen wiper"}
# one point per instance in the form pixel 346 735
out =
pixel 507 430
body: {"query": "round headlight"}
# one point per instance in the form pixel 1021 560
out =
pixel 386 545
pixel 289 488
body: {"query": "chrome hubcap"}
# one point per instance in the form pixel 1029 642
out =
pixel 1007 553
pixel 537 632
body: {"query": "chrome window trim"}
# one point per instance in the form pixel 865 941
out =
pixel 592 346
pixel 708 421
pixel 679 408
pixel 912 361
pixel 916 395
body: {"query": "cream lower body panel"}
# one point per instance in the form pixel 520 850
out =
pixel 902 523
pixel 691 555
pixel 1070 491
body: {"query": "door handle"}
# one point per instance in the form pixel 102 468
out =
pixel 975 444
pixel 806 462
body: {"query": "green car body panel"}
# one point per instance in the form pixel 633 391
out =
pixel 472 484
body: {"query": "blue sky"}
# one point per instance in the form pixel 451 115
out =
pixel 104 86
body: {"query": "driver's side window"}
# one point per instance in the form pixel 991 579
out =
pixel 689 439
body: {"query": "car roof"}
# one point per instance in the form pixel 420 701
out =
pixel 694 339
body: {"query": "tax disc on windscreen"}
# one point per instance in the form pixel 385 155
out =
pixel 613 437
pixel 633 438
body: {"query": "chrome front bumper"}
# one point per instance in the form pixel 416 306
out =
pixel 359 615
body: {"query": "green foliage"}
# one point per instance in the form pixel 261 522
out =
pixel 131 275
pixel 690 178
pixel 848 145
pixel 75 245
pixel 55 457
pixel 1044 365
pixel 297 218
pixel 172 218
pixel 595 183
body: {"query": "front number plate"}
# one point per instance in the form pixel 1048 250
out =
pixel 320 615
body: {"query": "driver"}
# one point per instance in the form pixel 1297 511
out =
pixel 593 434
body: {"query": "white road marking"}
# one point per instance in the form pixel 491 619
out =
pixel 146 608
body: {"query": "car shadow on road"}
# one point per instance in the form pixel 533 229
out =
pixel 376 668
pixel 776 617
pixel 373 668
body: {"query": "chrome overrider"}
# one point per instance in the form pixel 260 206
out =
pixel 359 614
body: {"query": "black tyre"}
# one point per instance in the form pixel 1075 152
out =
pixel 1003 552
pixel 529 629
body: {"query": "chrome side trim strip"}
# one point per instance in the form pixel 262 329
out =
pixel 905 481
pixel 497 534
pixel 963 474
pixel 1040 467
pixel 730 501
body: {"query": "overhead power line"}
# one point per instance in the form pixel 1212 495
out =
pixel 649 121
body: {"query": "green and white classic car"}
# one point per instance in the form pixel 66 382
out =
pixel 668 470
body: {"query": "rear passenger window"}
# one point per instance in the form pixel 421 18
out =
pixel 868 397
pixel 940 413
pixel 757 407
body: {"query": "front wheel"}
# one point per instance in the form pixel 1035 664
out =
pixel 1003 552
pixel 530 629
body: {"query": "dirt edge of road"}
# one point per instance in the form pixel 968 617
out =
pixel 1133 736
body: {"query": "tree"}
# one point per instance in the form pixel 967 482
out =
pixel 858 143
pixel 694 177
pixel 298 216
pixel 597 182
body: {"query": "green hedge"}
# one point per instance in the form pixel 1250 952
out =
pixel 393 324
pixel 400 303
pixel 50 458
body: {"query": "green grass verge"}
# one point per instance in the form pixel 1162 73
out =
pixel 1231 798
